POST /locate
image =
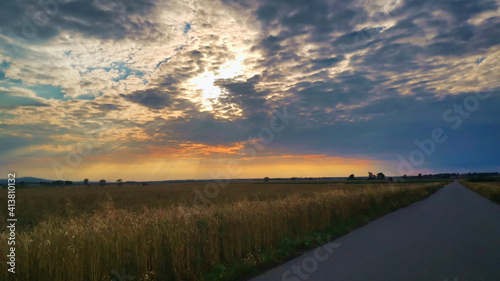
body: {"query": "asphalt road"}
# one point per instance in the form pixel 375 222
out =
pixel 453 235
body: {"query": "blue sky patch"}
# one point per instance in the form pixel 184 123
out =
pixel 4 65
pixel 125 71
pixel 187 28
pixel 11 101
pixel 43 91
pixel 49 92
pixel 122 69
pixel 163 61
pixel 8 83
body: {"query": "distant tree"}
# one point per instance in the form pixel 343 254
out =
pixel 405 176
pixel 86 182
pixel 381 176
pixel 119 182
pixel 351 177
pixel 68 183
pixel 371 176
pixel 266 179
pixel 419 176
pixel 294 178
pixel 102 182
pixel 390 179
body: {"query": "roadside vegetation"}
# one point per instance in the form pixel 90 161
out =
pixel 154 232
pixel 487 187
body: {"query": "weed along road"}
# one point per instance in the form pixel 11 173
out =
pixel 453 235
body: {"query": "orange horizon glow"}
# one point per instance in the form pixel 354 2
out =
pixel 154 168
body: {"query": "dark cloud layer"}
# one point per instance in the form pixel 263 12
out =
pixel 101 19
pixel 149 98
pixel 391 122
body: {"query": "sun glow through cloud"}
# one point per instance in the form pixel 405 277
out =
pixel 205 89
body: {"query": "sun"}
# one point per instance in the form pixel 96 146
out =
pixel 205 85
pixel 206 92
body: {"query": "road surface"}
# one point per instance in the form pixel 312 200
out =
pixel 453 235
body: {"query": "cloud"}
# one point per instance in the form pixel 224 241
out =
pixel 14 97
pixel 365 78
pixel 150 98
pixel 243 94
pixel 101 19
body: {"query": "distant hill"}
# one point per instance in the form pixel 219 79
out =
pixel 25 179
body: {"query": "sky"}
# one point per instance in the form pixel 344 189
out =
pixel 198 89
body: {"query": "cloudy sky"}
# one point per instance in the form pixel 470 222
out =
pixel 184 89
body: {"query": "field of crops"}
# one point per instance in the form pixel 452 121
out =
pixel 156 233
